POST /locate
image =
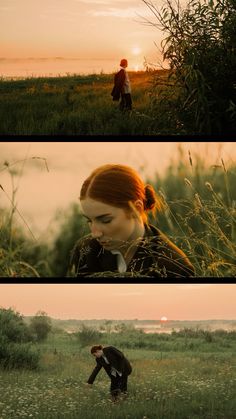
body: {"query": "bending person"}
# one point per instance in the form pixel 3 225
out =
pixel 116 365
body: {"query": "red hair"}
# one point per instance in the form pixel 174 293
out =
pixel 96 348
pixel 123 62
pixel 120 186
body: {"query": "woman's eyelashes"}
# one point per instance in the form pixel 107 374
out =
pixel 106 221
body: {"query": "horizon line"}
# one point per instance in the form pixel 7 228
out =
pixel 134 319
pixel 59 58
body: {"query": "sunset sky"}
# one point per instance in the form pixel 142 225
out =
pixel 85 29
pixel 125 301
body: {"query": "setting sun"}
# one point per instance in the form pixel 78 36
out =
pixel 136 50
pixel 163 319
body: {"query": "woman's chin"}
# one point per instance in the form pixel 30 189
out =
pixel 106 245
pixel 111 245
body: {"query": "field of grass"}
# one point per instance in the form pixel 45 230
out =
pixel 78 105
pixel 182 384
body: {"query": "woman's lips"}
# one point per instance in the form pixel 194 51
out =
pixel 108 243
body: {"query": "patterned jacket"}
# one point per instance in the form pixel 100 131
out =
pixel 156 256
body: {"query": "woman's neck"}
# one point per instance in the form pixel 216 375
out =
pixel 130 247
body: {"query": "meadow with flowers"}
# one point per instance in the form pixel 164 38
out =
pixel 180 382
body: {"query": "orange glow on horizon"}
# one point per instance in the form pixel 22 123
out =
pixel 123 301
pixel 48 29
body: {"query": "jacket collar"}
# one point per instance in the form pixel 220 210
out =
pixel 108 261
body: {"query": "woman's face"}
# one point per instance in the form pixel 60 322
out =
pixel 111 226
pixel 98 353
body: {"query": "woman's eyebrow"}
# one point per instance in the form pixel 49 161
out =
pixel 99 216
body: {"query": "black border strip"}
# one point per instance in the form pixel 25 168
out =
pixel 118 280
pixel 118 138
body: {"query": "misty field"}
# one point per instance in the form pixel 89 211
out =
pixel 195 381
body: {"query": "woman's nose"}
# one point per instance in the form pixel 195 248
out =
pixel 96 233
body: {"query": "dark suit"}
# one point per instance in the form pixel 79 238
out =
pixel 117 360
pixel 156 257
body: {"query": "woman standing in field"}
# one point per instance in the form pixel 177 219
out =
pixel 122 87
pixel 115 202
pixel 116 365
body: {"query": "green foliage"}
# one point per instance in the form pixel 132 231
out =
pixel 182 384
pixel 182 340
pixel 18 356
pixel 20 253
pixel 40 325
pixel 200 213
pixel 12 326
pixel 125 328
pixel 200 94
pixel 72 106
pixel 71 227
pixel 20 256
pixel 15 351
pixel 87 335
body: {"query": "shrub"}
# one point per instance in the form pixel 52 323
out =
pixel 12 326
pixel 15 347
pixel 40 325
pixel 16 355
pixel 87 336
pixel 200 49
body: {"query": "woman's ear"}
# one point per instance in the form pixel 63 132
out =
pixel 139 205
pixel 136 209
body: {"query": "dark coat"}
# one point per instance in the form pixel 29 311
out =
pixel 119 80
pixel 116 359
pixel 156 256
